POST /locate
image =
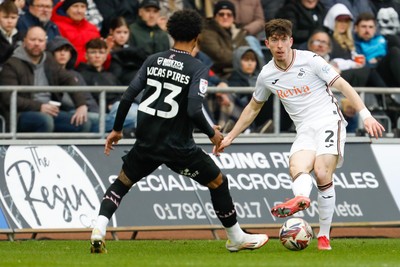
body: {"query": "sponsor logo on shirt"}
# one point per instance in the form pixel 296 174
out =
pixel 326 68
pixel 203 86
pixel 296 91
pixel 301 74
pixel 168 62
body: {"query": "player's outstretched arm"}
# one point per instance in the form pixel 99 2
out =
pixel 372 126
pixel 248 115
pixel 112 139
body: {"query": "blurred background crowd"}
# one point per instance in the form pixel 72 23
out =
pixel 103 43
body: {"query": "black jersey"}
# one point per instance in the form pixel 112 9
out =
pixel 174 85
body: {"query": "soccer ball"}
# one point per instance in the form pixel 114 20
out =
pixel 295 234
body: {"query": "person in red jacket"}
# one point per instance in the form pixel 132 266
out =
pixel 69 15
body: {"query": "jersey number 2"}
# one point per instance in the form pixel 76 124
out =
pixel 169 99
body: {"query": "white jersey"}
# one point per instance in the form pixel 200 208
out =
pixel 303 88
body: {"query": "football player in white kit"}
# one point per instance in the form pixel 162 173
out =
pixel 302 80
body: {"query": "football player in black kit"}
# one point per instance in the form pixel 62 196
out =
pixel 173 84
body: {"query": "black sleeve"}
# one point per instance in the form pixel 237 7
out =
pixel 135 87
pixel 195 112
pixel 123 109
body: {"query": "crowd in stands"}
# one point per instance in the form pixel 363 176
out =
pixel 97 42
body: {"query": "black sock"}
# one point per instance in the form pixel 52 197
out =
pixel 112 198
pixel 223 204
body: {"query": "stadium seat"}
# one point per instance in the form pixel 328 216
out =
pixel 396 98
pixel 385 121
pixel 375 101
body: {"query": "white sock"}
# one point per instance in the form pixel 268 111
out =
pixel 235 233
pixel 302 185
pixel 326 208
pixel 101 224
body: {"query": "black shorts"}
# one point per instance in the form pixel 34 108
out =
pixel 199 166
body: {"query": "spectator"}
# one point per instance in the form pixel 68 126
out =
pixel 31 65
pixel 168 7
pixel 249 16
pixel 247 66
pixel 342 54
pixel 94 74
pixel 321 43
pixel 375 48
pixel 93 15
pixel 356 7
pixel 145 32
pixel 271 7
pixel 387 13
pixel 204 7
pixel 9 35
pixel 125 59
pixel 339 22
pixel 220 37
pixel 306 17
pixel 381 55
pixel 69 15
pixel 111 9
pixel 21 5
pixel 39 14
pixel 65 55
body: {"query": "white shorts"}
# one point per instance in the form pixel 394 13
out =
pixel 323 138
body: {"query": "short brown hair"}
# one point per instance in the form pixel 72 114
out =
pixel 96 43
pixel 366 16
pixel 278 27
pixel 9 7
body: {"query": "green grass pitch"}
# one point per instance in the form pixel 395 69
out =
pixel 361 252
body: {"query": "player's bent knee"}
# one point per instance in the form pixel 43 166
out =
pixel 323 176
pixel 125 179
pixel 216 182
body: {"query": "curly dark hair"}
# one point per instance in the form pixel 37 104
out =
pixel 185 25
